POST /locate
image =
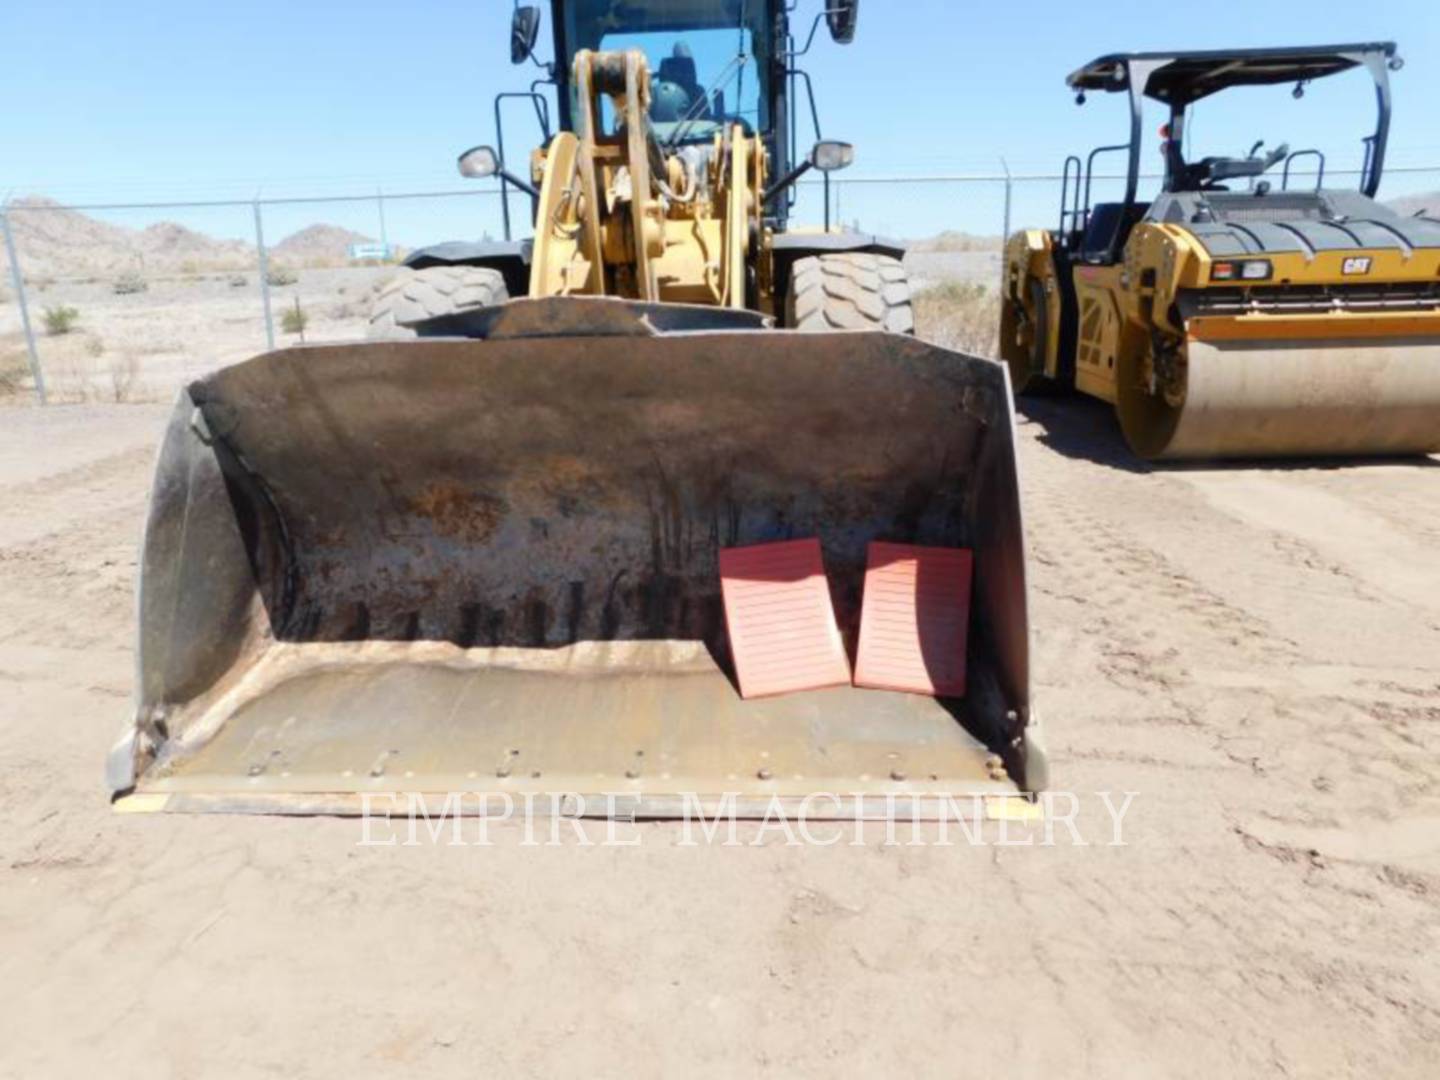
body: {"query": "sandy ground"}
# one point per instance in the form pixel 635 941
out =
pixel 141 347
pixel 1255 651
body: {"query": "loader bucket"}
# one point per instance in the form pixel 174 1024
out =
pixel 490 566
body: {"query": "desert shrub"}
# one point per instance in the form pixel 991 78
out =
pixel 60 320
pixel 94 345
pixel 238 281
pixel 122 378
pixel 14 366
pixel 281 275
pixel 129 283
pixel 963 315
pixel 294 320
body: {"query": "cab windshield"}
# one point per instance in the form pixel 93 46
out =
pixel 704 71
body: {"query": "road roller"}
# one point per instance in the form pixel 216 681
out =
pixel 1240 313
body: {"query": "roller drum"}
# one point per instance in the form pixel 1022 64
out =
pixel 1268 398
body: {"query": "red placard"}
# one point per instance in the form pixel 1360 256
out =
pixel 782 628
pixel 914 618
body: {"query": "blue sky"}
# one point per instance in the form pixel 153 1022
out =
pixel 164 99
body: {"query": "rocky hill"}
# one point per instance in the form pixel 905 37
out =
pixel 54 242
pixel 318 243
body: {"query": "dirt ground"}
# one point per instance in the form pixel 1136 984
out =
pixel 141 347
pixel 1254 650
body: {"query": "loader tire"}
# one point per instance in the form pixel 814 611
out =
pixel 414 296
pixel 849 291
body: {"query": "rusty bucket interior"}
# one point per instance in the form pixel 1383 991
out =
pixel 491 566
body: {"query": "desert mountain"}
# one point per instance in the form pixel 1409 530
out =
pixel 54 242
pixel 322 242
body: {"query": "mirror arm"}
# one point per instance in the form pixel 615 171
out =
pixel 524 185
pixel 810 40
pixel 787 180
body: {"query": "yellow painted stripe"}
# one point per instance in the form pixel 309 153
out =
pixel 144 802
pixel 1012 808
pixel 1338 325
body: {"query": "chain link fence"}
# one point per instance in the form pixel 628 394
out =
pixel 128 301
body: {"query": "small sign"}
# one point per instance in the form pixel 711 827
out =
pixel 1357 264
pixel 362 252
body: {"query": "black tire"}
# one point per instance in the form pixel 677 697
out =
pixel 1039 336
pixel 849 291
pixel 414 296
pixel 1027 371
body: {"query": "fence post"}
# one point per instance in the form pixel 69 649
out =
pixel 380 207
pixel 1005 229
pixel 264 278
pixel 19 280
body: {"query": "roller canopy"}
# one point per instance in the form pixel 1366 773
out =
pixel 1184 77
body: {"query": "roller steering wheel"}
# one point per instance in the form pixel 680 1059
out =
pixel 1207 172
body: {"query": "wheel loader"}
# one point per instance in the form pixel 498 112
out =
pixel 1237 314
pixel 477 553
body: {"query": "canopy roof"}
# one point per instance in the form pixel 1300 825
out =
pixel 1179 78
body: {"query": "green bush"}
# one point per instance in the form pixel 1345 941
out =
pixel 60 320
pixel 294 320
pixel 128 283
pixel 281 275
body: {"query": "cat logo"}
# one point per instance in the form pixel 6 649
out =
pixel 1359 264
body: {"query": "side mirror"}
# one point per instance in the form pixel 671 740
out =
pixel 842 15
pixel 831 156
pixel 478 162
pixel 481 161
pixel 524 29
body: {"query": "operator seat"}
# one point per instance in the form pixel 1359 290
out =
pixel 678 69
pixel 1106 221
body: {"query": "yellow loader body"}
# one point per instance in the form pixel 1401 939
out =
pixel 478 556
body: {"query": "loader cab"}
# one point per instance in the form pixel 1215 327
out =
pixel 1198 189
pixel 712 63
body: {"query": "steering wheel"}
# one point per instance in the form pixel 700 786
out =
pixel 1207 172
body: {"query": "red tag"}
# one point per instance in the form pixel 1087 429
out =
pixel 914 619
pixel 782 628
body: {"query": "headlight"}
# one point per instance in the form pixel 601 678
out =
pixel 1245 270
